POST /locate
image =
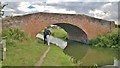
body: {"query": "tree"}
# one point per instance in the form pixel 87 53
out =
pixel 1 7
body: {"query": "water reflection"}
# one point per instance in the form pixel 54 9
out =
pixel 85 55
pixel 76 49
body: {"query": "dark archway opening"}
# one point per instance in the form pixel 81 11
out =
pixel 74 33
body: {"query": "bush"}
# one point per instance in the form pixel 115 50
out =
pixel 110 40
pixel 12 35
pixel 117 26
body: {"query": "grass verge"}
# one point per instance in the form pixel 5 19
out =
pixel 25 53
pixel 56 57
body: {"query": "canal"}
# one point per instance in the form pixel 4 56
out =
pixel 84 54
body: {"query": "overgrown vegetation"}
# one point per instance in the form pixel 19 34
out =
pixel 13 35
pixel 117 26
pixel 110 40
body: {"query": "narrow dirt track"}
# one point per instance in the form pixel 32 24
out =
pixel 39 63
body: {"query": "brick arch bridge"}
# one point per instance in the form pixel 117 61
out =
pixel 79 27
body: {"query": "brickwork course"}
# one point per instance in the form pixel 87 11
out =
pixel 78 26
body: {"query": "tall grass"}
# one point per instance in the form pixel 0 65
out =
pixel 12 35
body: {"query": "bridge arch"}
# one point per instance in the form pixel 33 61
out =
pixel 86 27
pixel 74 32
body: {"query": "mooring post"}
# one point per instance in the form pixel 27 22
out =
pixel 117 63
pixel 1 54
pixel 2 50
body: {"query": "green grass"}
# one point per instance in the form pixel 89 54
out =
pixel 0 64
pixel 24 50
pixel 56 57
pixel 59 33
pixel 25 53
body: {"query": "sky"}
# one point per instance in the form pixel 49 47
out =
pixel 103 9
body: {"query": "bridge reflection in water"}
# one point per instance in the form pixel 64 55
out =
pixel 86 55
pixel 76 49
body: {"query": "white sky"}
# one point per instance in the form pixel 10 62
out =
pixel 107 10
pixel 57 1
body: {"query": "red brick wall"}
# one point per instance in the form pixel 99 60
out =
pixel 89 27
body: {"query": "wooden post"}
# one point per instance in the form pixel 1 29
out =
pixel 2 50
pixel 1 53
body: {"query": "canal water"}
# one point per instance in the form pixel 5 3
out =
pixel 83 54
pixel 76 49
pixel 86 55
